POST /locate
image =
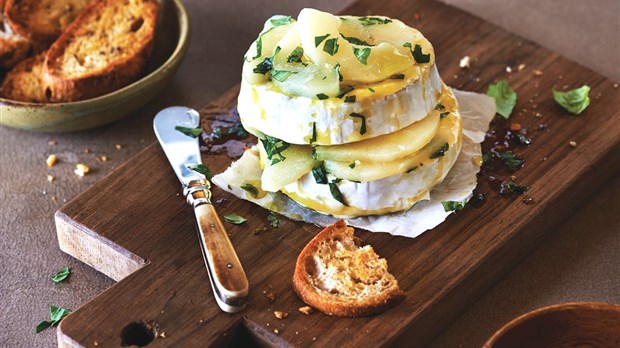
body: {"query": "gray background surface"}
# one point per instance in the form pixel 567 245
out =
pixel 579 262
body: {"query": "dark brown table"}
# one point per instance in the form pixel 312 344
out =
pixel 579 262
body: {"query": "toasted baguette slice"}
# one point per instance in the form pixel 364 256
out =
pixel 104 49
pixel 13 47
pixel 337 276
pixel 23 82
pixel 42 20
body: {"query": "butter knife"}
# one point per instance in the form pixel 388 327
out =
pixel 228 280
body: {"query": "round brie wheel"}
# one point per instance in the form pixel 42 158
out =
pixel 391 194
pixel 300 120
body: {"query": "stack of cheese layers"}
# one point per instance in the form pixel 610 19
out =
pixel 352 116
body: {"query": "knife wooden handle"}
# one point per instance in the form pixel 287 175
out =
pixel 228 279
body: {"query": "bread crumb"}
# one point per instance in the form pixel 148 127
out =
pixel 102 158
pixel 52 142
pixel 538 73
pixel 95 343
pixel 81 169
pixel 51 160
pixel 162 334
pixel 508 69
pixel 306 310
pixel 521 67
pixel 118 146
pixel 615 85
pixel 464 63
pixel 276 331
pixel 314 338
pixel 515 126
pixel 572 143
pixel 270 294
pixel 50 178
pixel 280 314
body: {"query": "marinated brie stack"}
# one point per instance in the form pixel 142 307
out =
pixel 352 116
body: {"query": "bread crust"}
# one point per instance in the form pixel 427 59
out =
pixel 23 82
pixel 307 291
pixel 42 20
pixel 116 74
pixel 13 47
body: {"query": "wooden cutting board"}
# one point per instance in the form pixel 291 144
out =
pixel 135 227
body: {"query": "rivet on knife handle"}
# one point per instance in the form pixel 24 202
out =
pixel 226 274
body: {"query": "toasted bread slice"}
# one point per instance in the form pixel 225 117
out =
pixel 337 276
pixel 13 47
pixel 23 82
pixel 42 20
pixel 104 49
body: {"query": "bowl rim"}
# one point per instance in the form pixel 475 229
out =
pixel 177 53
pixel 546 310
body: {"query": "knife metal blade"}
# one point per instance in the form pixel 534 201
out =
pixel 227 277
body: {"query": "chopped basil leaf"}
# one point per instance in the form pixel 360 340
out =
pixel 281 75
pixel 367 21
pixel 574 101
pixel 320 175
pixel 60 276
pixel 363 118
pixel 439 106
pixel 56 315
pixel 523 140
pixel 235 219
pixel 236 130
pixel 190 132
pixel 411 169
pixel 319 39
pixel 419 56
pixel 361 54
pixel 274 148
pixel 259 47
pixel 281 21
pixel 511 160
pixel 273 219
pixel 444 114
pixel 397 76
pixel 42 325
pixel 313 138
pixel 349 99
pixel 331 46
pixel 371 89
pixel 442 151
pixel 352 165
pixel 452 205
pixel 295 56
pixel 487 159
pixel 322 96
pixel 202 169
pixel 335 191
pixel 505 98
pixel 251 189
pixel 407 44
pixel 344 90
pixel 509 186
pixel 264 66
pixel 355 40
pixel 337 67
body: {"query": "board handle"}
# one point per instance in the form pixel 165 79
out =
pixel 228 279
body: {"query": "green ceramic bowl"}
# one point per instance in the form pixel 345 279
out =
pixel 171 43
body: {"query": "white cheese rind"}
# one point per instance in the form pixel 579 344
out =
pixel 390 194
pixel 262 107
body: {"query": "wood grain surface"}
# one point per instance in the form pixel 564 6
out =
pixel 135 226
